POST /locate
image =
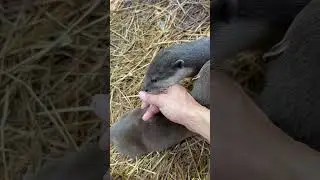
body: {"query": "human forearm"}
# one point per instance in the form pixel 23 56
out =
pixel 199 121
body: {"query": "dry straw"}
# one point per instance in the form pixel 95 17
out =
pixel 138 30
pixel 52 53
pixel 52 59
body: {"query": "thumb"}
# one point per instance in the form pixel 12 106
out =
pixel 150 98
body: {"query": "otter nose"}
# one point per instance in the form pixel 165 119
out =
pixel 146 90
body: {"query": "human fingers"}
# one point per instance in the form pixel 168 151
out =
pixel 144 105
pixel 151 111
pixel 151 99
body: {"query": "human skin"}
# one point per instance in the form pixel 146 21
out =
pixel 179 107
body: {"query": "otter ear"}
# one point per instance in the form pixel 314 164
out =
pixel 178 64
pixel 162 50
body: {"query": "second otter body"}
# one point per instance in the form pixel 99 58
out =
pixel 291 96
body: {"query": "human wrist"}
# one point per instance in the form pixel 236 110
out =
pixel 199 121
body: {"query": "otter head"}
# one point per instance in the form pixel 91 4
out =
pixel 164 71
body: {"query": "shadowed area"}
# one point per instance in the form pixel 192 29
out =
pixel 53 57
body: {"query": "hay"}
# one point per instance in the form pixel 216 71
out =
pixel 247 68
pixel 138 30
pixel 51 61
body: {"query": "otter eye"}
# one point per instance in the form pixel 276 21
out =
pixel 154 80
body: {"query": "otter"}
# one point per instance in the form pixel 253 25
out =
pixel 201 86
pixel 237 26
pixel 175 63
pixel 291 93
pixel 134 137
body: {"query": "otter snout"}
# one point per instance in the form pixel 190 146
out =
pixel 146 89
pixel 145 86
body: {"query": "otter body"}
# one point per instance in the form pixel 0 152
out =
pixel 291 96
pixel 133 136
pixel 201 87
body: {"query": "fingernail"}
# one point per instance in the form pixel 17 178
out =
pixel 144 117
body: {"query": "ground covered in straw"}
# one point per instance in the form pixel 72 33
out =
pixel 52 58
pixel 138 30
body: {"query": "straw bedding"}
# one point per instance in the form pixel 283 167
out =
pixel 52 57
pixel 138 31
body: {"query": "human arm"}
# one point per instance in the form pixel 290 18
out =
pixel 179 107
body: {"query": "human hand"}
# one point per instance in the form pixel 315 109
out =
pixel 174 104
pixel 179 107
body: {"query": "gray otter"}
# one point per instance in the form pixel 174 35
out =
pixel 201 86
pixel 175 63
pixel 247 145
pixel 291 96
pixel 134 137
